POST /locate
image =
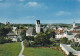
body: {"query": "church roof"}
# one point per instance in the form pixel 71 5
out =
pixel 30 30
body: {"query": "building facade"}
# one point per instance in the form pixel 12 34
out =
pixel 37 26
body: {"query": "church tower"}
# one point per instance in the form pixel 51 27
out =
pixel 37 26
pixel 74 24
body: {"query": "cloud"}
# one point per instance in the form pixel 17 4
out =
pixel 33 4
pixel 23 5
pixel 1 0
pixel 60 13
pixel 21 0
pixel 78 0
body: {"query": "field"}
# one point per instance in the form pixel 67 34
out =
pixel 10 49
pixel 41 52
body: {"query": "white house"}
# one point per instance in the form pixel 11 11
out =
pixel 67 49
pixel 77 38
pixel 12 36
pixel 65 34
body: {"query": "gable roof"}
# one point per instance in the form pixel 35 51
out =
pixel 30 30
pixel 77 36
pixel 11 34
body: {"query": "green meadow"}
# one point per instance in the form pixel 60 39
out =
pixel 41 52
pixel 10 49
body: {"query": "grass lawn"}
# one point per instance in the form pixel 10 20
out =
pixel 10 49
pixel 41 52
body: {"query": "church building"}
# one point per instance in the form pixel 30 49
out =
pixel 37 26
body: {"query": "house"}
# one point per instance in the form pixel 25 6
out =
pixel 62 34
pixel 12 36
pixel 30 32
pixel 67 49
pixel 77 38
pixel 14 29
pixel 19 31
pixel 77 28
pixel 7 23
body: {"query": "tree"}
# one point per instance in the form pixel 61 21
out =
pixel 23 35
pixel 70 54
pixel 50 33
pixel 69 41
pixel 64 40
pixel 41 39
pixel 1 40
pixel 4 31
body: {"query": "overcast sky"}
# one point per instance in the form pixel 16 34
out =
pixel 48 11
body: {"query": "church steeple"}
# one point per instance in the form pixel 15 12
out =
pixel 74 24
pixel 37 26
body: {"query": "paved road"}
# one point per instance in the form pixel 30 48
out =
pixel 22 49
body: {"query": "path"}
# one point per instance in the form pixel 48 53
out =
pixel 22 49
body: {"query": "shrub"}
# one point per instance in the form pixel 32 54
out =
pixel 64 40
pixel 26 43
pixel 31 43
pixel 51 39
pixel 69 41
pixel 5 40
pixel 1 40
pixel 9 40
pixel 18 40
pixel 70 54
pixel 31 38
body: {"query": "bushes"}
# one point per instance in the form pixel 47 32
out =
pixel 42 39
pixel 31 38
pixel 18 40
pixel 23 35
pixel 26 43
pixel 1 40
pixel 70 54
pixel 31 43
pixel 51 39
pixel 65 40
pixel 5 40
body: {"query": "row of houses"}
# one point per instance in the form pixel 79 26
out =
pixel 60 31
pixel 31 31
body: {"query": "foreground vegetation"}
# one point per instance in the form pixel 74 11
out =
pixel 10 49
pixel 77 48
pixel 41 52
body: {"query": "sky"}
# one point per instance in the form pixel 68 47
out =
pixel 47 11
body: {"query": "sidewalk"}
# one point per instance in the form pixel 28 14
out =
pixel 22 49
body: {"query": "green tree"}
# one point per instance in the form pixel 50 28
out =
pixel 50 33
pixel 42 39
pixel 1 40
pixel 4 31
pixel 64 40
pixel 23 35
